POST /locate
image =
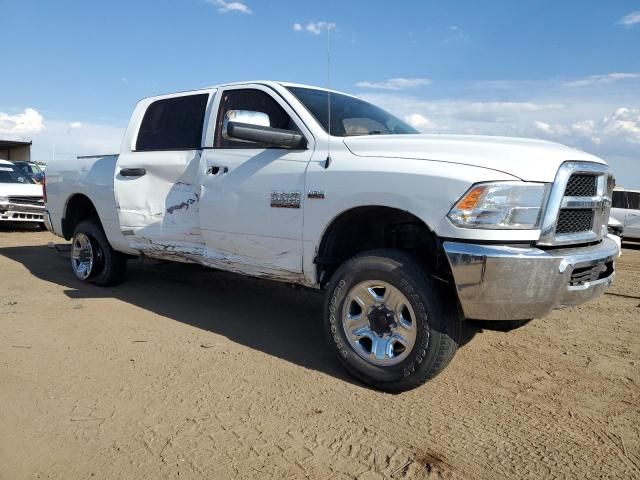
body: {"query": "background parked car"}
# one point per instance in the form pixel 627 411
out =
pixel 21 199
pixel 626 209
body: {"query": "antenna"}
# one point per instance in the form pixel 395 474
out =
pixel 327 162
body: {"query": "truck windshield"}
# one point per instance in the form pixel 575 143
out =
pixel 12 174
pixel 349 115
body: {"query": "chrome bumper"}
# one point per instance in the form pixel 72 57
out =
pixel 511 283
pixel 11 212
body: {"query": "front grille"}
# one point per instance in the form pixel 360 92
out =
pixel 572 220
pixel 578 205
pixel 581 185
pixel 26 200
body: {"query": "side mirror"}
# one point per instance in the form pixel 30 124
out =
pixel 266 135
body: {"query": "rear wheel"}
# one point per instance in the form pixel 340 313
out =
pixel 92 258
pixel 393 326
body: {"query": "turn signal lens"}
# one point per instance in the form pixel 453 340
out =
pixel 469 201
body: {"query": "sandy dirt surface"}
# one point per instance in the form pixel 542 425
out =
pixel 183 371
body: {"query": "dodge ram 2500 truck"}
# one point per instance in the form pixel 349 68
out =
pixel 407 233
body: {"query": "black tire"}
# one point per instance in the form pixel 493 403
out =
pixel 436 308
pixel 109 265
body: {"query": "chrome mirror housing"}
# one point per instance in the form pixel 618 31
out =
pixel 244 116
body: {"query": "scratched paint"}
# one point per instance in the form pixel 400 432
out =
pixel 184 204
pixel 188 253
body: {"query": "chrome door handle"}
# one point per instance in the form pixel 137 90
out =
pixel 217 170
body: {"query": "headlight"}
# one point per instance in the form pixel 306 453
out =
pixel 500 205
pixel 4 199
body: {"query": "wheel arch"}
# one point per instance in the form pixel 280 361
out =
pixel 78 207
pixel 368 227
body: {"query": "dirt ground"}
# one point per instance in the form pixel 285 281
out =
pixel 183 371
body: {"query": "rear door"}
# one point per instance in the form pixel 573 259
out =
pixel 252 203
pixel 619 206
pixel 632 221
pixel 156 178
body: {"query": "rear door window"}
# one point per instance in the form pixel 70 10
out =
pixel 619 199
pixel 173 124
pixel 633 199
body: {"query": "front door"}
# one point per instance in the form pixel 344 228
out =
pixel 252 203
pixel 156 180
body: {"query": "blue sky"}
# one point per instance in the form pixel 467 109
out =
pixel 563 70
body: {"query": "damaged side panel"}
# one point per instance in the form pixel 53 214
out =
pixel 163 204
pixel 187 253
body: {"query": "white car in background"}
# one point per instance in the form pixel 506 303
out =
pixel 616 231
pixel 20 197
pixel 626 209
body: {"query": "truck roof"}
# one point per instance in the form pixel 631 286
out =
pixel 270 83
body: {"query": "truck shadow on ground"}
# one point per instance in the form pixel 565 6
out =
pixel 274 318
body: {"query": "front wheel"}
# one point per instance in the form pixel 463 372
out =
pixel 92 258
pixel 392 325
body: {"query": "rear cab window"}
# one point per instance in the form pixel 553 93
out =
pixel 174 123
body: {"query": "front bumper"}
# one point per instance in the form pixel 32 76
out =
pixel 13 212
pixel 511 283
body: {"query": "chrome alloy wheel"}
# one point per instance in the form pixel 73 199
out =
pixel 82 256
pixel 379 322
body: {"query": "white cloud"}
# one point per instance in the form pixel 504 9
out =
pixel 224 6
pixel 623 123
pixel 70 142
pixel 65 135
pixel 587 129
pixel 28 122
pixel 600 79
pixel 558 130
pixel 629 20
pixel 315 28
pixel 613 131
pixel 496 111
pixel 419 121
pixel 395 83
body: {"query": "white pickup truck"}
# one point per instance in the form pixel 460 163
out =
pixel 407 233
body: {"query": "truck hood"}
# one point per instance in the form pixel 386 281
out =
pixel 20 189
pixel 529 160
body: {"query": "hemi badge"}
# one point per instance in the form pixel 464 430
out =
pixel 127 232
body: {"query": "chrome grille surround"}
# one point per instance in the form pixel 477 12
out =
pixel 599 204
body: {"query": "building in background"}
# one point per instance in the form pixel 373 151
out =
pixel 15 150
